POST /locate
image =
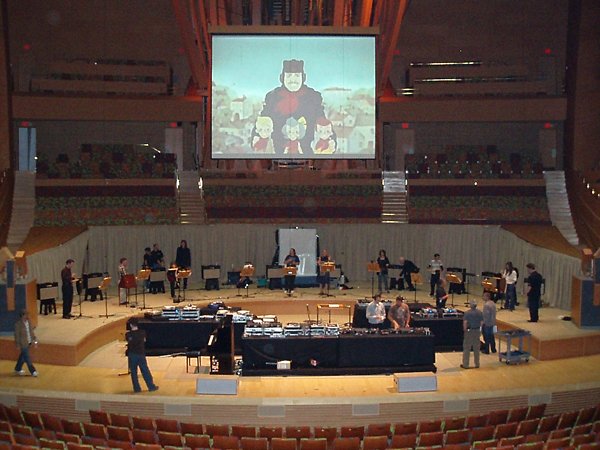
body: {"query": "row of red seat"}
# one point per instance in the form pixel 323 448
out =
pixel 497 427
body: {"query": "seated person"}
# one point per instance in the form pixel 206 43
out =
pixel 244 282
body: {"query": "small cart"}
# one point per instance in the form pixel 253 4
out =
pixel 511 356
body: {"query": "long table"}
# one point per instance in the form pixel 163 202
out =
pixel 164 337
pixel 344 354
pixel 448 331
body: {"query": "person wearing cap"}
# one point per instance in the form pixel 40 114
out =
pixel 399 314
pixel 489 323
pixel 376 312
pixel 136 357
pixel 24 338
pixel 534 292
pixel 293 99
pixel 472 322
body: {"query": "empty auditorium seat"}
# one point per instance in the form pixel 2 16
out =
pixel 101 417
pixel 375 442
pixel 143 423
pixel 454 423
pixel 407 440
pixel 95 430
pixel 356 431
pixel 191 428
pixel 197 440
pixel 430 426
pixel 288 443
pixel 32 419
pixel 528 426
pixel 505 430
pixel 406 428
pixel 378 429
pixel 216 430
pixel 517 414
pixel 226 442
pixel 313 444
pixel 497 417
pixel 298 432
pixel 429 439
pixel 120 420
pixel 476 421
pixel 536 411
pixel 174 439
pixel 122 434
pixel 254 443
pixel 270 432
pixel 458 436
pixel 482 433
pixel 243 431
pixel 346 443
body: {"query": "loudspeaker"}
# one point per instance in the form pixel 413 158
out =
pixel 415 382
pixel 217 384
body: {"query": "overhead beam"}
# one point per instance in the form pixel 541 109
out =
pixel 393 24
pixel 188 38
pixel 365 12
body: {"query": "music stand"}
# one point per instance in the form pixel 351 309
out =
pixel 289 271
pixel 246 272
pixel 416 279
pixel 79 289
pixel 144 275
pixel 103 288
pixel 452 278
pixel 327 267
pixel 373 268
pixel 182 275
pixel 128 281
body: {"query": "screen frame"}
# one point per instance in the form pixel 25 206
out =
pixel 293 31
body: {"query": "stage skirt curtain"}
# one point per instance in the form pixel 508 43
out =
pixel 476 247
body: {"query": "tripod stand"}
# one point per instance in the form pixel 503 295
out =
pixel 244 281
pixel 327 267
pixel 103 288
pixel 450 279
pixel 143 275
pixel 78 287
pixel 373 268
pixel 182 277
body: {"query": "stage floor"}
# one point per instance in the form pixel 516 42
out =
pixel 97 378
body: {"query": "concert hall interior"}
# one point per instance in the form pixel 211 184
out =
pixel 239 179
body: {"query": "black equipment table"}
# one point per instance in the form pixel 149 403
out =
pixel 165 337
pixel 448 331
pixel 339 355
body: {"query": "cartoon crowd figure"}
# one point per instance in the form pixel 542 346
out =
pixel 324 142
pixel 262 141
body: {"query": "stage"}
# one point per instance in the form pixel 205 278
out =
pixel 81 363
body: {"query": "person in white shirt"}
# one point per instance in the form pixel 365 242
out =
pixel 376 312
pixel 510 275
pixel 436 266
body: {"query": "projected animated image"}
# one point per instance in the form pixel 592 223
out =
pixel 318 104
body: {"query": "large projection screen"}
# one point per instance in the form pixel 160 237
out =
pixel 293 97
pixel 304 240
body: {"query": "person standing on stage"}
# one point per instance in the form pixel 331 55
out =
pixel 172 278
pixel 66 277
pixel 147 259
pixel 489 323
pixel 157 257
pixel 136 357
pixel 534 292
pixel 399 314
pixel 291 260
pixel 382 275
pixel 122 289
pixel 407 268
pixel 510 275
pixel 24 338
pixel 440 294
pixel 323 276
pixel 183 259
pixel 376 312
pixel 436 266
pixel 472 322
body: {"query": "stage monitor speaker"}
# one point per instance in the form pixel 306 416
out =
pixel 217 384
pixel 415 382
